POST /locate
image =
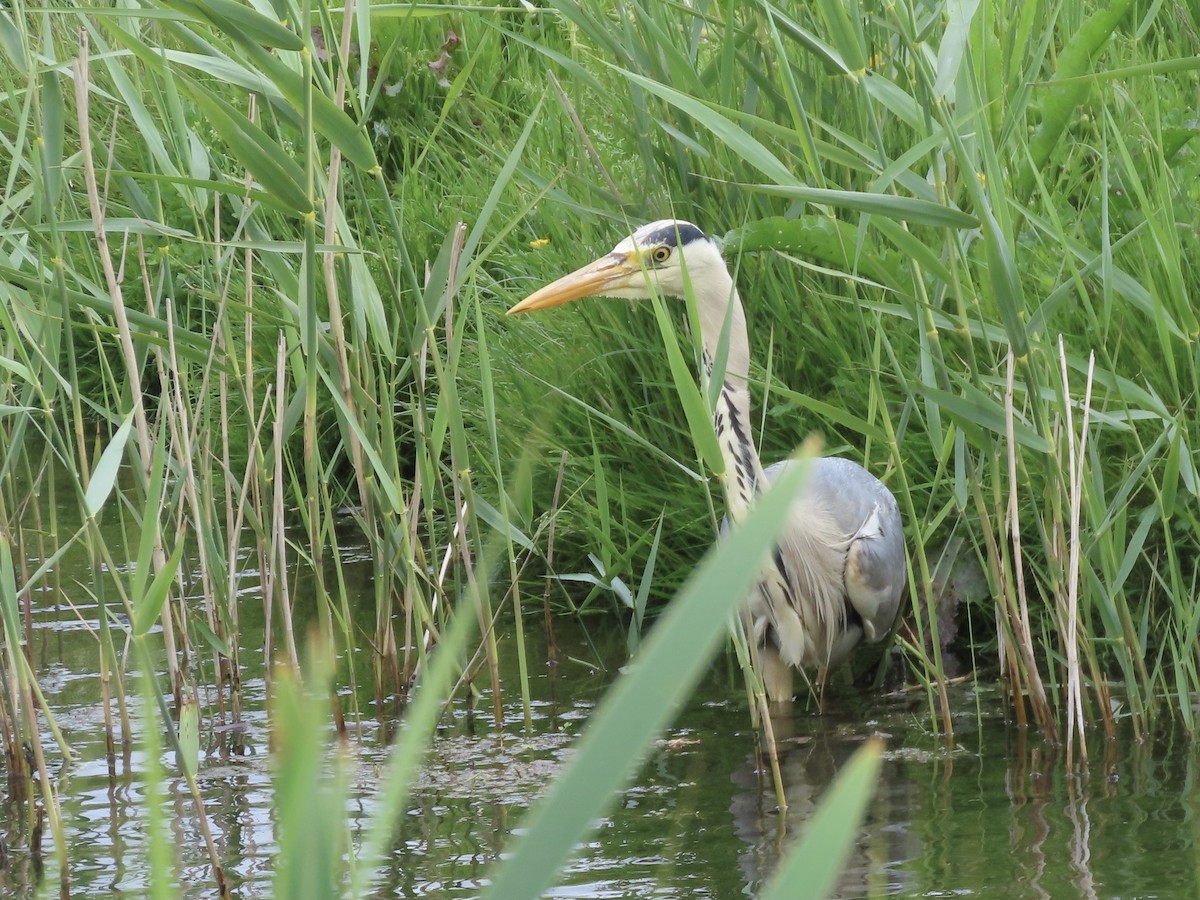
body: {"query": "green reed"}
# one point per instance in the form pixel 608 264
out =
pixel 899 152
pixel 231 309
pixel 239 360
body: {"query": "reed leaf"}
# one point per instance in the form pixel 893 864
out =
pixel 644 699
pixel 903 209
pixel 817 858
pixel 104 476
pixel 1061 99
pixel 235 18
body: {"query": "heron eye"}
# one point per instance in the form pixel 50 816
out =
pixel 661 254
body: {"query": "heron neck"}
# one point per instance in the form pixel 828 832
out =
pixel 719 303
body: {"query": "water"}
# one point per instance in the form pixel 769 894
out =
pixel 993 816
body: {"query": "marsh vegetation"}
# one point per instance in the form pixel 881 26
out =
pixel 254 261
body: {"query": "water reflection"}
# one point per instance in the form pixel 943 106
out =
pixel 995 816
pixel 808 764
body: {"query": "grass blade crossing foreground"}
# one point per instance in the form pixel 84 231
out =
pixel 645 698
pixel 816 861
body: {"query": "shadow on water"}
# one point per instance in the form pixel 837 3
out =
pixel 994 816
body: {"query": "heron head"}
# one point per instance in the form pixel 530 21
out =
pixel 657 258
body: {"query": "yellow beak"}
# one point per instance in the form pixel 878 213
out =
pixel 606 273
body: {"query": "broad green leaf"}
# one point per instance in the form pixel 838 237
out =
pixel 148 607
pixel 20 370
pixel 146 328
pixel 634 638
pixel 831 412
pixel 104 476
pixel 1059 100
pixel 11 43
pixel 908 209
pixel 277 172
pixel 603 509
pixel 188 757
pixel 975 409
pixel 738 140
pixel 1124 73
pixel 308 798
pixel 282 82
pixel 368 302
pixel 817 859
pixel 8 596
pixel 1136 543
pixel 954 44
pixel 1005 282
pixel 406 10
pixel 809 39
pixel 695 409
pixel 844 30
pixel 120 225
pixel 385 481
pixel 440 284
pixel 895 99
pixel 214 641
pixel 233 17
pixel 829 240
pixel 52 133
pixel 150 531
pixel 1169 484
pixel 493 517
pixel 148 125
pixel 912 246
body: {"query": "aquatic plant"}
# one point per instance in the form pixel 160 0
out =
pixel 238 310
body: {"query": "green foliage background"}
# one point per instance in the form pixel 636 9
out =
pixel 236 305
pixel 909 192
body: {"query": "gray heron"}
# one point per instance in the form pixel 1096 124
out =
pixel 838 569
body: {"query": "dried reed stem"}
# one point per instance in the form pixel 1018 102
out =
pixel 1075 464
pixel 1022 633
pixel 125 338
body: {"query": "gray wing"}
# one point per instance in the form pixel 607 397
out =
pixel 843 502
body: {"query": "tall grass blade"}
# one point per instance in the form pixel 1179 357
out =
pixel 237 19
pixel 817 858
pixel 148 606
pixel 1061 99
pixel 694 405
pixel 745 145
pixel 104 476
pixel 644 699
pixel 903 209
pixel 310 805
